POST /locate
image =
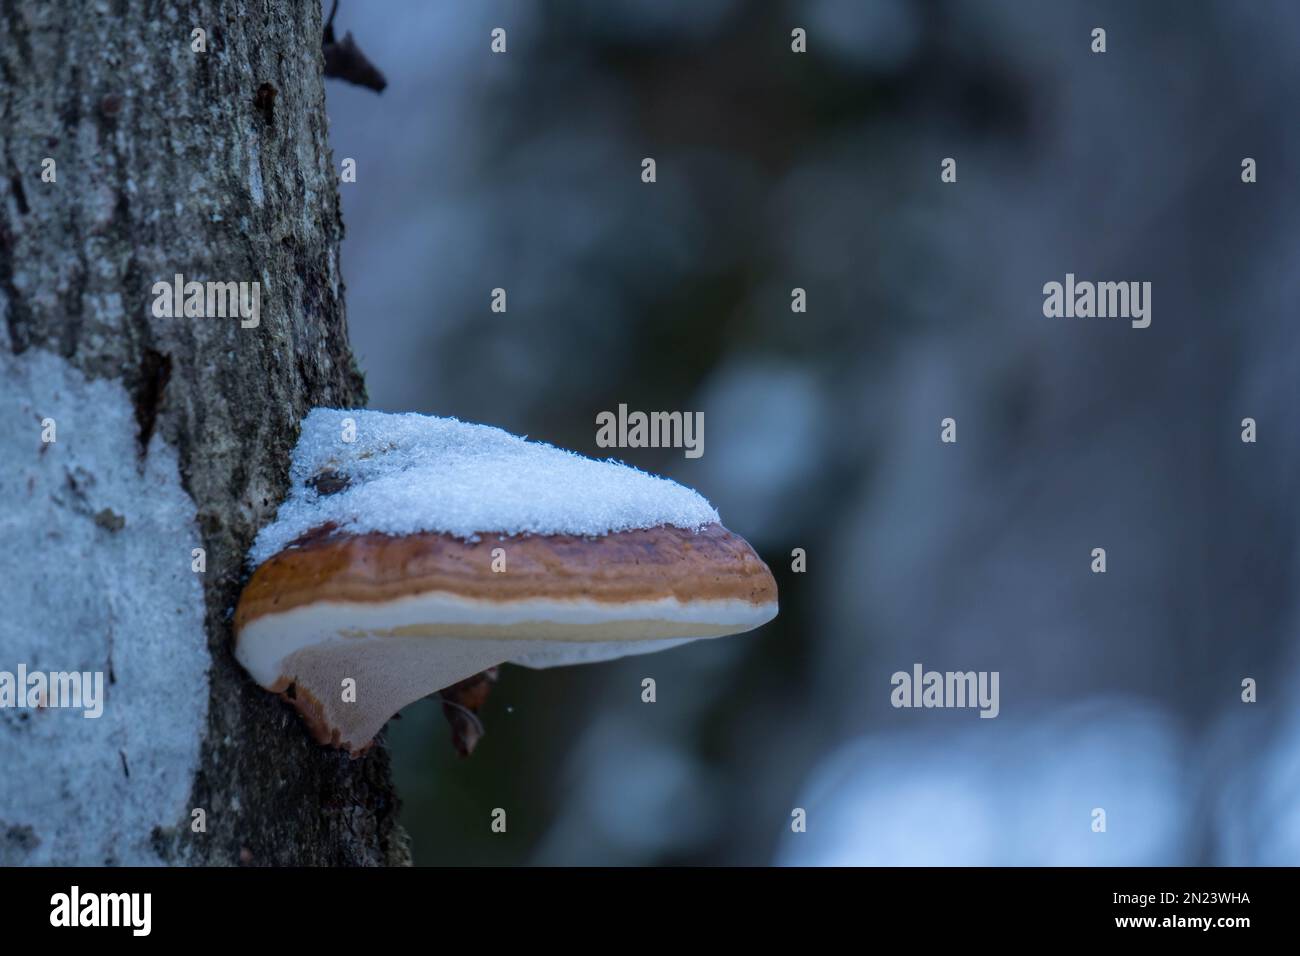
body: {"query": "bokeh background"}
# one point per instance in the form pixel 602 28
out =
pixel 821 171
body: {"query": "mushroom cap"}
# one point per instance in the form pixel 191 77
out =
pixel 405 616
pixel 373 570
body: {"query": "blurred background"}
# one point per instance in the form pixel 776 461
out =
pixel 822 171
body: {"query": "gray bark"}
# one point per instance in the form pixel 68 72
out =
pixel 170 161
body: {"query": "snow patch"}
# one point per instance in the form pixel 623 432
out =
pixel 407 473
pixel 255 172
pixel 96 566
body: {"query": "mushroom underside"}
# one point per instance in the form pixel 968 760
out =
pixel 394 658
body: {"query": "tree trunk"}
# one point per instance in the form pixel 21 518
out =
pixel 128 440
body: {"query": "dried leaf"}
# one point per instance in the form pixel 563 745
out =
pixel 461 703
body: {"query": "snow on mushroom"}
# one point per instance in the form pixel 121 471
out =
pixel 425 550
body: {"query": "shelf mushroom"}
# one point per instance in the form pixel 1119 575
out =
pixel 413 552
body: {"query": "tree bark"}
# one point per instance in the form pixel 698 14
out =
pixel 172 433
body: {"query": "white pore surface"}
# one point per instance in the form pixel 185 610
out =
pixel 535 633
pixel 78 596
pixel 410 473
pixel 390 672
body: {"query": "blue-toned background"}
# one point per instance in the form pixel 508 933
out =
pixel 778 170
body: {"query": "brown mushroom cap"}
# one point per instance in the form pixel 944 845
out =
pixel 407 615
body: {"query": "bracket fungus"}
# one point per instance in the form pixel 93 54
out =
pixel 426 550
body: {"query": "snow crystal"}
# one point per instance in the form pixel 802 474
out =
pixel 406 473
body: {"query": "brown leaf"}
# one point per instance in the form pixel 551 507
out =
pixel 328 482
pixel 461 703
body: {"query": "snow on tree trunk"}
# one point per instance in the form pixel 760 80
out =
pixel 169 434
